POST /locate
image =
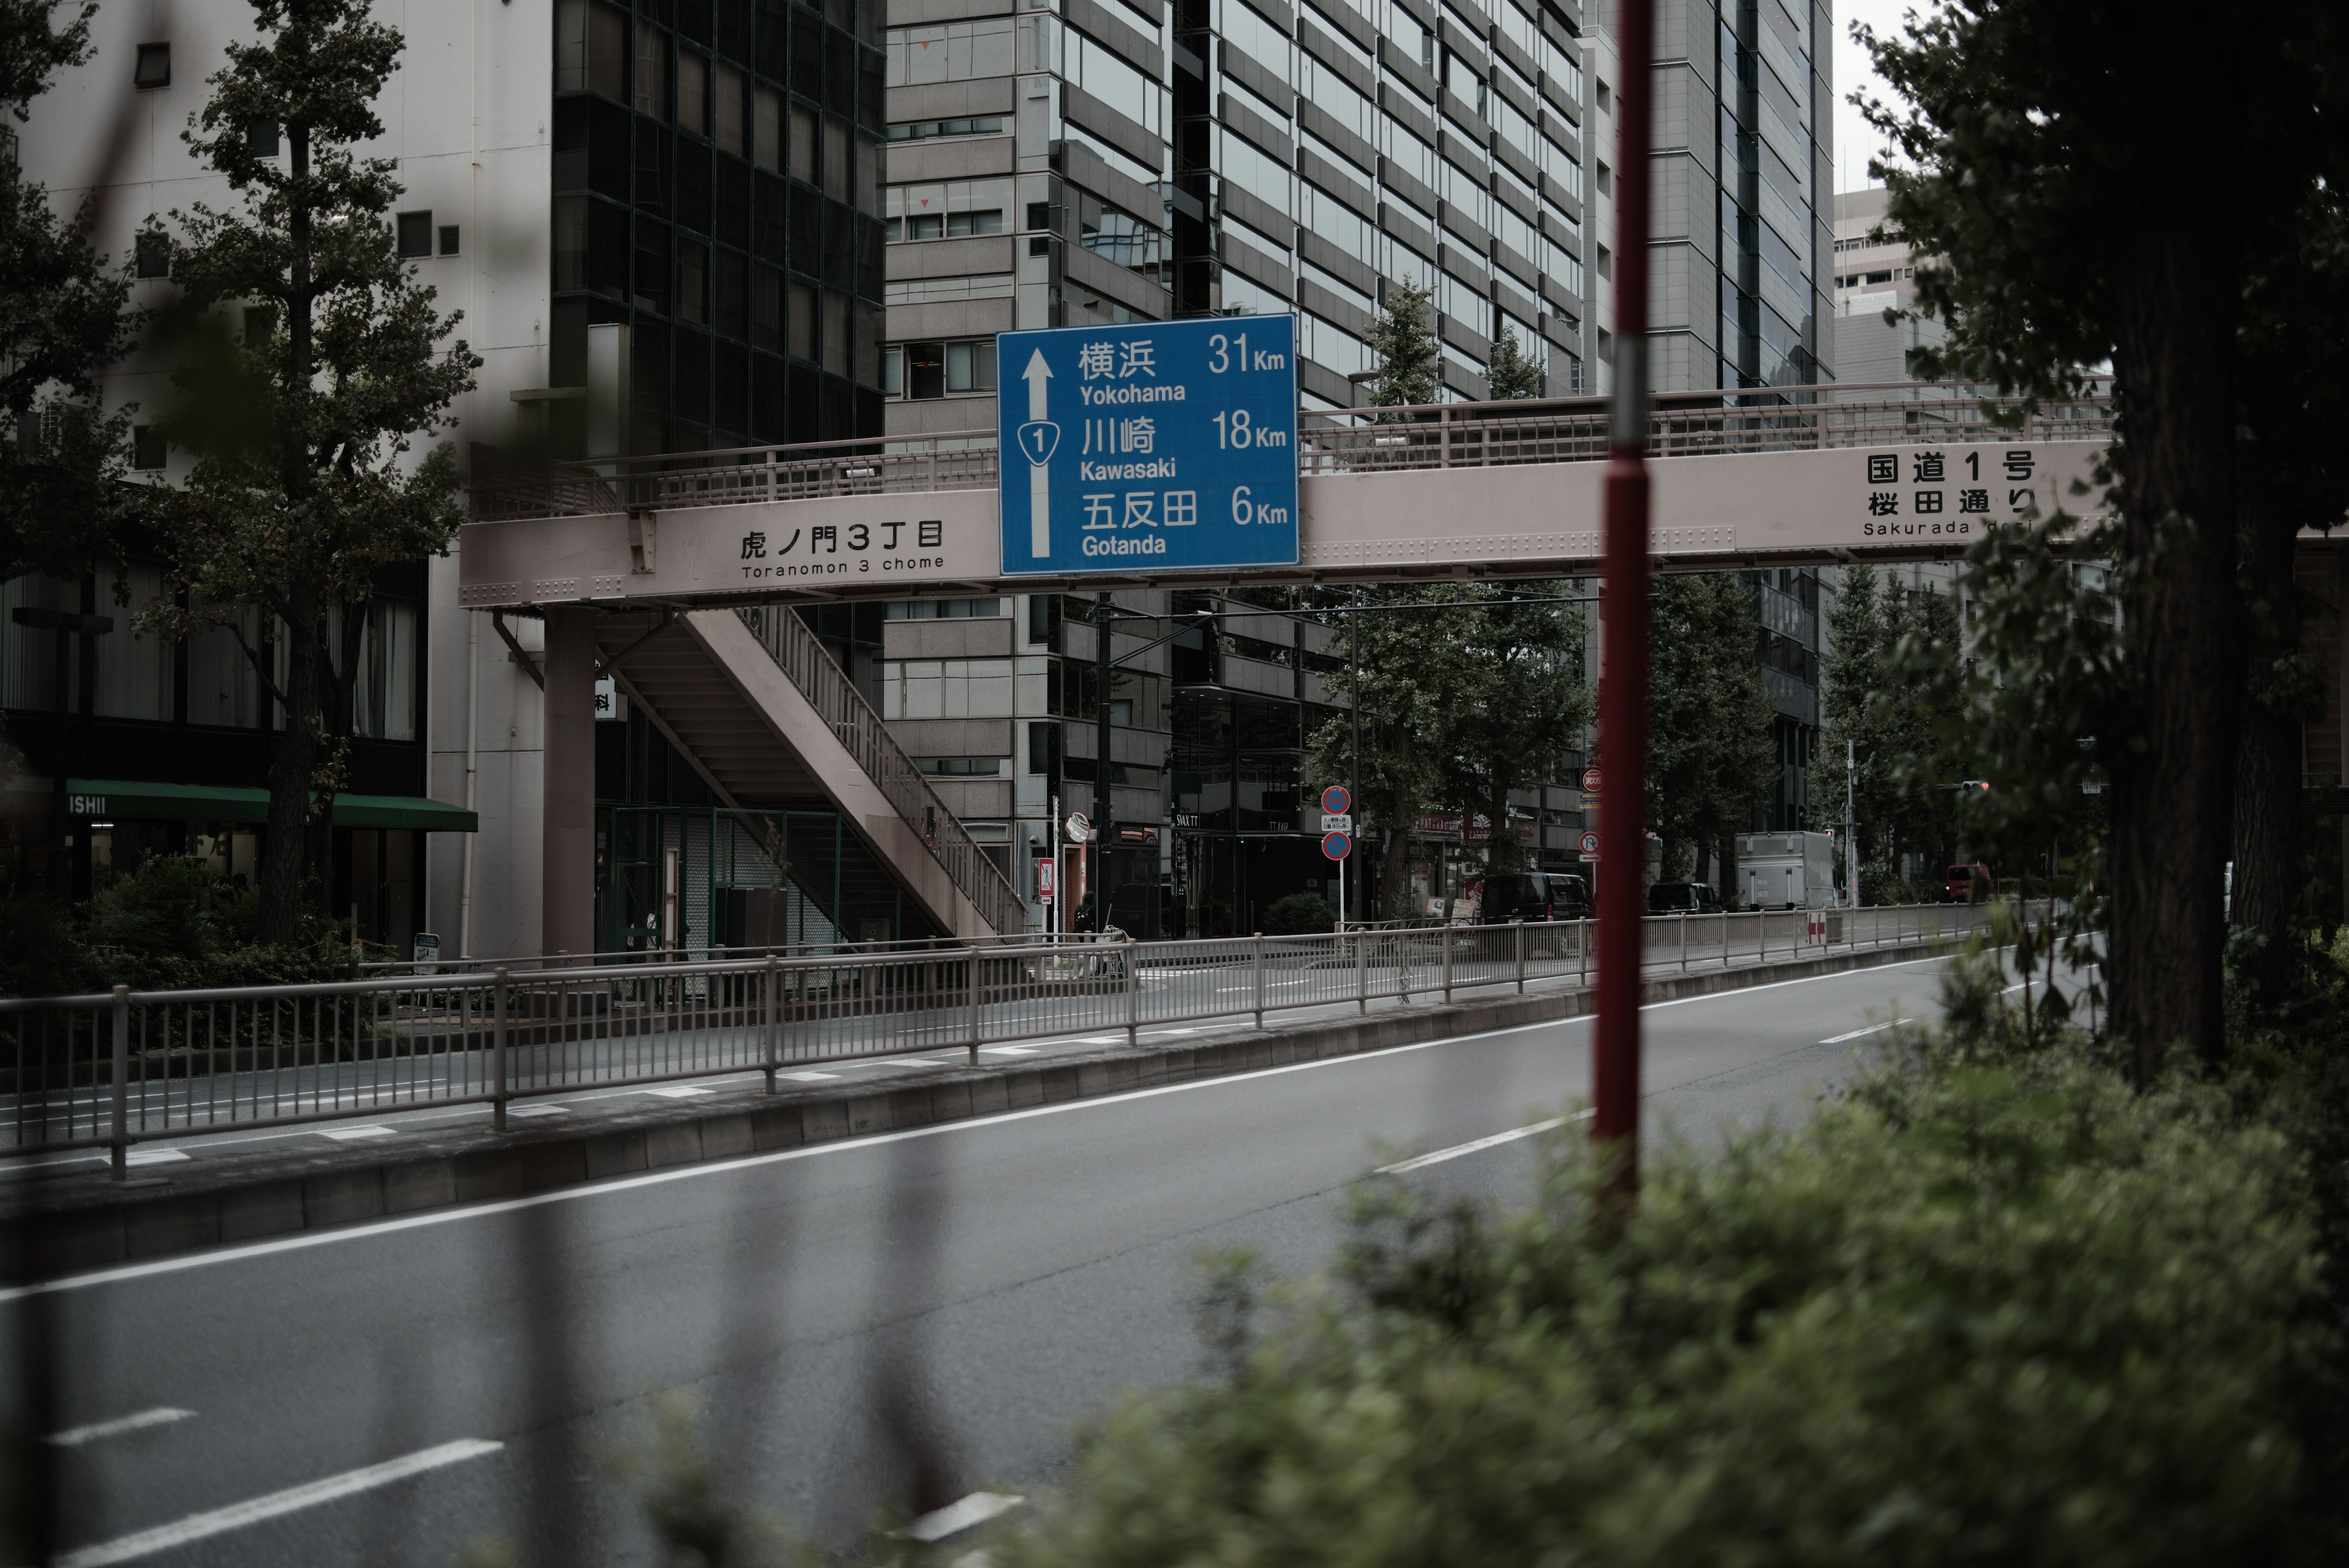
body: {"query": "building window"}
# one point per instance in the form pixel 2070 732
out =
pixel 730 110
pixel 154 255
pixel 149 450
pixel 415 235
pixel 925 130
pixel 591 46
pixel 652 72
pixel 923 370
pixel 767 131
pixel 448 239
pixel 154 67
pixel 962 767
pixel 692 93
pixel 692 270
pixel 943 609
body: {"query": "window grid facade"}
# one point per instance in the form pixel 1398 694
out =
pixel 716 175
pixel 1104 161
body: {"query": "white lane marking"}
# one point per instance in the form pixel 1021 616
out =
pixel 238 1515
pixel 675 1092
pixel 813 1077
pixel 1856 1033
pixel 1006 1051
pixel 538 1110
pixel 138 1421
pixel 963 1513
pixel 309 1239
pixel 1478 1145
pixel 352 1135
pixel 155 1156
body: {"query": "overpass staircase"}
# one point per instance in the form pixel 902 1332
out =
pixel 756 705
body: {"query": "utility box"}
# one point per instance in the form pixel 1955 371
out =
pixel 1786 870
pixel 755 917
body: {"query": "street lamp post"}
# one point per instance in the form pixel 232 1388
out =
pixel 1623 687
pixel 1850 826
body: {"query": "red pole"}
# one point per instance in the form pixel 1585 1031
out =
pixel 1623 631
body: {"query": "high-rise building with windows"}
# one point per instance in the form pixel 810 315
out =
pixel 1741 264
pixel 1080 161
pixel 717 179
pixel 1102 161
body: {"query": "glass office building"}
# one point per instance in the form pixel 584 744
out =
pixel 1101 161
pixel 717 167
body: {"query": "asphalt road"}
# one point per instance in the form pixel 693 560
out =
pixel 989 1282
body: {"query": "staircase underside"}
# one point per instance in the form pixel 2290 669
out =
pixel 760 744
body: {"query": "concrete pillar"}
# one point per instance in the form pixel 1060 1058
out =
pixel 567 879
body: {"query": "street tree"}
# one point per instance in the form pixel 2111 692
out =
pixel 1709 754
pixel 2294 476
pixel 1473 698
pixel 313 362
pixel 1402 339
pixel 1514 700
pixel 1905 765
pixel 2036 167
pixel 64 317
pixel 1511 373
pixel 1397 776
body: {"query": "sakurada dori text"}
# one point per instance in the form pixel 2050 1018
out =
pixel 1942 499
pixel 826 540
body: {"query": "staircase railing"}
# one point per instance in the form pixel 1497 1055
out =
pixel 803 661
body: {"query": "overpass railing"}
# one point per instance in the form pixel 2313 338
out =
pixel 1435 435
pixel 117 1071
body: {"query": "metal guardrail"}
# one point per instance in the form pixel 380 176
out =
pixel 1435 435
pixel 801 656
pixel 114 1071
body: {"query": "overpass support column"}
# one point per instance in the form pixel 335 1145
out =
pixel 568 878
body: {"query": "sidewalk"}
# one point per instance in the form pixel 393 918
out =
pixel 70 1216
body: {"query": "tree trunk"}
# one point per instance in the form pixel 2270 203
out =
pixel 292 760
pixel 2174 760
pixel 1728 853
pixel 2267 837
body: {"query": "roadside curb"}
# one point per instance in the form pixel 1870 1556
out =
pixel 63 1224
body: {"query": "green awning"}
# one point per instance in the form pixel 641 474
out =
pixel 230 803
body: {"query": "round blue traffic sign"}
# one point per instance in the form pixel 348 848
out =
pixel 1335 800
pixel 1337 846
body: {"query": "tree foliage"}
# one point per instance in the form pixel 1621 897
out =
pixel 1511 373
pixel 1890 712
pixel 313 360
pixel 64 317
pixel 2042 174
pixel 1402 340
pixel 1461 705
pixel 1709 754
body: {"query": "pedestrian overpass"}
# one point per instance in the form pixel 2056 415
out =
pixel 662 573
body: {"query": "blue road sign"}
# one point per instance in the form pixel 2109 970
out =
pixel 1336 846
pixel 1156 446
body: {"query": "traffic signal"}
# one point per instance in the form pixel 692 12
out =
pixel 1975 787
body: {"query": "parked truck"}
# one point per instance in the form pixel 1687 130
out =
pixel 1787 870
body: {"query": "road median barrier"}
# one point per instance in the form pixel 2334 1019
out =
pixel 72 1218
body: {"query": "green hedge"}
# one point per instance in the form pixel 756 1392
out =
pixel 1992 1308
pixel 174 922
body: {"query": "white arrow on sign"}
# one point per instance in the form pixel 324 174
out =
pixel 1038 437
